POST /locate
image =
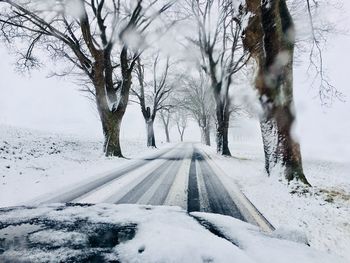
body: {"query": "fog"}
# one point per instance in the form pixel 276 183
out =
pixel 56 105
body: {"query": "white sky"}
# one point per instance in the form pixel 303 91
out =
pixel 56 105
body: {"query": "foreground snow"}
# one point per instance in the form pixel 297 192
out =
pixel 322 212
pixel 147 234
pixel 33 163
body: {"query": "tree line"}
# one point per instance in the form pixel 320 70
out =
pixel 113 50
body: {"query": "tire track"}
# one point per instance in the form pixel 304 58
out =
pixel 219 200
pixel 65 196
pixel 155 187
pixel 193 193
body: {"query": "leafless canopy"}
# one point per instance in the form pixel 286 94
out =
pixel 153 93
pixel 81 32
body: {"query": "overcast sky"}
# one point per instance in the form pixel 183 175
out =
pixel 56 105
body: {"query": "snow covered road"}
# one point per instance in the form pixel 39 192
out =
pixel 180 176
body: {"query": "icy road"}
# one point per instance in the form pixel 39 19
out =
pixel 181 176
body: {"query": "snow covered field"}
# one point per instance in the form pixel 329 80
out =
pixel 322 212
pixel 33 163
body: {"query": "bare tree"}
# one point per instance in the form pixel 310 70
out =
pixel 100 39
pixel 220 25
pixel 152 96
pixel 180 119
pixel 197 99
pixel 269 38
pixel 310 45
pixel 165 116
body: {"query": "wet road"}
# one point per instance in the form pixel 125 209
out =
pixel 180 176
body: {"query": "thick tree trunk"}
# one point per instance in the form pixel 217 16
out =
pixel 278 75
pixel 111 110
pixel 111 130
pixel 111 122
pixel 151 141
pixel 287 151
pixel 110 118
pixel 272 26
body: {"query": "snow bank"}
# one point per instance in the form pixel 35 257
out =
pixel 33 163
pixel 322 213
pixel 265 248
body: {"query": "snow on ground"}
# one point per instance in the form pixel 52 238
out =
pixel 141 234
pixel 322 213
pixel 33 163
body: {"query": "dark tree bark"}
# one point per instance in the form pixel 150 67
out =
pixel 111 129
pixel 270 39
pixel 149 119
pixel 151 141
pixel 223 120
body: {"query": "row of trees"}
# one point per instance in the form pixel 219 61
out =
pixel 112 48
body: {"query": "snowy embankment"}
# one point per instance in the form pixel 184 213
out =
pixel 33 163
pixel 321 212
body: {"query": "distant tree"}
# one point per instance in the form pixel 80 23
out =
pixel 165 117
pixel 152 96
pixel 181 121
pixel 270 39
pixel 196 97
pixel 102 40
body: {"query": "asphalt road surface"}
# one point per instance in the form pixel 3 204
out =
pixel 183 176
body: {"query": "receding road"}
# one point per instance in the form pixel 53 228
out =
pixel 183 176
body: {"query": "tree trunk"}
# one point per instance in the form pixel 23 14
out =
pixel 165 120
pixel 269 141
pixel 110 118
pixel 205 134
pixel 222 139
pixel 223 118
pixel 167 136
pixel 111 122
pixel 278 75
pixel 287 151
pixel 151 142
pixel 271 25
pixel 111 130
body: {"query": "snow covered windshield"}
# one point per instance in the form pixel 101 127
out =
pixel 134 233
